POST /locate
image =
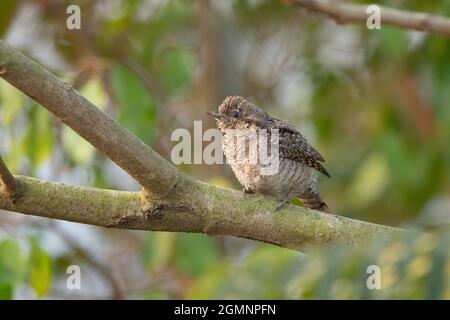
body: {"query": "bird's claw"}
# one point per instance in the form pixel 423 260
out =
pixel 281 204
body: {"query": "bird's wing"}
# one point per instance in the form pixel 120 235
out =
pixel 295 147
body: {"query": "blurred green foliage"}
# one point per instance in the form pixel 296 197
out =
pixel 41 270
pixel 416 267
pixel 13 264
pixel 21 264
pixel 374 102
pixel 137 109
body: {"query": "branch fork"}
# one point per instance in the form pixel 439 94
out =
pixel 9 185
pixel 170 200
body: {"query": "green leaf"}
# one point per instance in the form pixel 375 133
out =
pixel 196 253
pixel 210 285
pixel 94 92
pixel 6 291
pixel 41 270
pixel 13 263
pixel 11 102
pixel 159 248
pixel 370 180
pixel 393 42
pixel 137 108
pixel 178 68
pixel 39 139
pixel 76 147
pixel 7 14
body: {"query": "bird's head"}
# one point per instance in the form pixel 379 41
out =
pixel 238 113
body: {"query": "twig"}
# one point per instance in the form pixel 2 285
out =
pixel 8 181
pixel 344 13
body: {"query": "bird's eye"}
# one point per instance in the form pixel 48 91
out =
pixel 235 114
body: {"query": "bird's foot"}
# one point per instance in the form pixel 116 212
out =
pixel 248 191
pixel 281 204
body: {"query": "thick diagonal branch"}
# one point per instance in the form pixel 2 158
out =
pixel 155 174
pixel 343 13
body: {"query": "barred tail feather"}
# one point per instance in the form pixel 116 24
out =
pixel 312 199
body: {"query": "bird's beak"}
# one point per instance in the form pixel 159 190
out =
pixel 217 115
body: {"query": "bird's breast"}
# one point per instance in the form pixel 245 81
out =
pixel 289 178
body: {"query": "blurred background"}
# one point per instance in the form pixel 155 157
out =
pixel 374 102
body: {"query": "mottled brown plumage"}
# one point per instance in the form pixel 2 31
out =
pixel 299 161
pixel 295 147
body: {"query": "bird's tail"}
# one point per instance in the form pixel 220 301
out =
pixel 312 199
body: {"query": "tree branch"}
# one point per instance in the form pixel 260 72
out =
pixel 344 13
pixel 7 180
pixel 171 201
pixel 155 174
pixel 199 208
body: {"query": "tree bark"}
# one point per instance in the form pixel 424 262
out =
pixel 198 207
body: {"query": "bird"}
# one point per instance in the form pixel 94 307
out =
pixel 298 162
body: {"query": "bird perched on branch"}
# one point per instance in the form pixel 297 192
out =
pixel 242 124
